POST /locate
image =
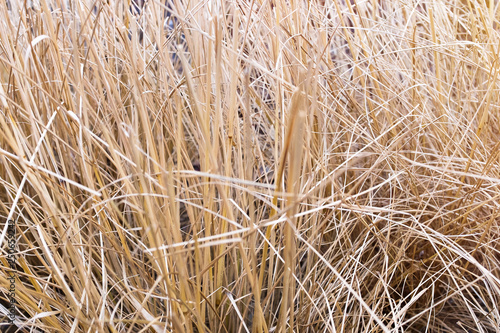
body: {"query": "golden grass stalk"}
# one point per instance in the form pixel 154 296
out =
pixel 232 166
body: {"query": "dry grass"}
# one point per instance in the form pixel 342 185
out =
pixel 252 166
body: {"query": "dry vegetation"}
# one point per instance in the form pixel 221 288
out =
pixel 251 166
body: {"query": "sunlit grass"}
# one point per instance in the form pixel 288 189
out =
pixel 248 166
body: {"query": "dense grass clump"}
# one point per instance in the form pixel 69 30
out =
pixel 251 166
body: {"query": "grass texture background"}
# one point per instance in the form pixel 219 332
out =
pixel 251 166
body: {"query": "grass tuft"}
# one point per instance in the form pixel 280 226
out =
pixel 251 166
